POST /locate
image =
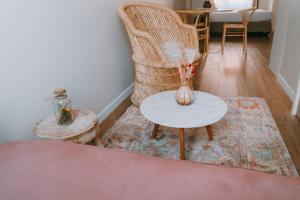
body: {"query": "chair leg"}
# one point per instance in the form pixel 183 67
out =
pixel 246 41
pixel 244 46
pixel 206 40
pixel 223 39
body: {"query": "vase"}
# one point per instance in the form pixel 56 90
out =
pixel 184 95
pixel 207 4
pixel 62 107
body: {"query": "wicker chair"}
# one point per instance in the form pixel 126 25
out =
pixel 148 26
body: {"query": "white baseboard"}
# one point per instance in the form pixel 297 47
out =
pixel 115 103
pixel 296 102
pixel 288 90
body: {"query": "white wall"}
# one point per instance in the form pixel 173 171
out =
pixel 296 105
pixel 290 69
pixel 285 59
pixel 281 30
pixel 76 44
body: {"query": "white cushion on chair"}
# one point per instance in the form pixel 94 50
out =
pixel 234 16
pixel 175 52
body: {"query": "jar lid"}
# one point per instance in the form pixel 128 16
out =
pixel 59 91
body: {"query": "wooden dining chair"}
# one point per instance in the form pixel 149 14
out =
pixel 200 19
pixel 239 29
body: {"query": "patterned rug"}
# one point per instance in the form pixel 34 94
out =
pixel 246 137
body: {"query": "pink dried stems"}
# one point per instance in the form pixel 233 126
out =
pixel 186 72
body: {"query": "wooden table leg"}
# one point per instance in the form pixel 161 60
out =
pixel 182 149
pixel 210 132
pixel 155 130
pixel 97 139
pixel 98 142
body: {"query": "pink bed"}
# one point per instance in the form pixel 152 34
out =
pixel 43 170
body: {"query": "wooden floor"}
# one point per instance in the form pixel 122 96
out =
pixel 232 74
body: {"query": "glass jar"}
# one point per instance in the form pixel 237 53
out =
pixel 62 107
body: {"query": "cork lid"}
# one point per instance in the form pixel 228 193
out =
pixel 59 91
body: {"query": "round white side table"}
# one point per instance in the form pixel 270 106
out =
pixel 82 130
pixel 162 109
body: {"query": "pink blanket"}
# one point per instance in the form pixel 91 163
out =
pixel 43 170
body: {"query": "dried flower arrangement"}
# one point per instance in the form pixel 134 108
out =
pixel 184 58
pixel 186 70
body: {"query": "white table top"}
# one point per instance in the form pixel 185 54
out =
pixel 163 109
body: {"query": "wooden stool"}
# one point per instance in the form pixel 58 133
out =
pixel 82 130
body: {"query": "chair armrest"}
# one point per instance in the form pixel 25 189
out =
pixel 147 48
pixel 144 46
pixel 142 43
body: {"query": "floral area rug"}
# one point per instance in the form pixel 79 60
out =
pixel 246 137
